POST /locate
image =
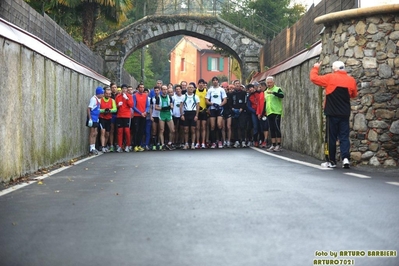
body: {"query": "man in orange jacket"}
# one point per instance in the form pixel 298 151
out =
pixel 124 102
pixel 339 88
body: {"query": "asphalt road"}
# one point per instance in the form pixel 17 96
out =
pixel 204 207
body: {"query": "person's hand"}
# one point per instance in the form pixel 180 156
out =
pixel 107 110
pixel 182 118
pixel 215 105
pixel 144 114
pixel 120 103
pixel 90 123
pixel 317 64
pixel 125 96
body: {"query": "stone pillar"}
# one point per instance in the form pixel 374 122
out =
pixel 367 41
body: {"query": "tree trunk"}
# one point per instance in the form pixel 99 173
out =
pixel 89 17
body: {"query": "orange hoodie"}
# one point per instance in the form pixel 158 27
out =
pixel 340 87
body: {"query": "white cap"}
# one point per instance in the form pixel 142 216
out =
pixel 338 65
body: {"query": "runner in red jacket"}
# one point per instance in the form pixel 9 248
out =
pixel 124 102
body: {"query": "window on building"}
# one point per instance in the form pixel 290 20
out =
pixel 183 64
pixel 215 63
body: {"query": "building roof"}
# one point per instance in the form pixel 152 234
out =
pixel 198 43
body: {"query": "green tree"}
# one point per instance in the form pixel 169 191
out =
pixel 84 13
pixel 263 18
pixel 133 67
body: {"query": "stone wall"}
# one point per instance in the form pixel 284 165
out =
pixel 368 43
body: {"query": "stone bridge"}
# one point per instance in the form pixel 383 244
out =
pixel 116 48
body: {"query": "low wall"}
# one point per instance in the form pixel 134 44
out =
pixel 44 104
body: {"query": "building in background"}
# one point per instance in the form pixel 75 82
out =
pixel 192 59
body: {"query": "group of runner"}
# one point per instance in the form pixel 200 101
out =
pixel 185 116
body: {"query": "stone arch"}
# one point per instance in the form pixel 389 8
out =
pixel 118 46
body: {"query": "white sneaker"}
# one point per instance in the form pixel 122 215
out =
pixel 203 146
pixel 277 148
pixel 197 146
pixel 328 165
pixel 94 151
pixel 243 145
pixel 236 144
pixel 119 149
pixel 346 164
pixel 271 148
pixel 127 149
pixel 104 149
pixel 228 144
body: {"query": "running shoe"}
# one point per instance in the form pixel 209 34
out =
pixel 111 149
pixel 127 149
pixel 203 146
pixel 277 148
pixel 263 145
pixel 271 148
pixel 197 146
pixel 220 145
pixel 346 164
pixel 119 149
pixel 236 144
pixel 213 146
pixel 328 165
pixel 193 146
pixel 94 152
pixel 243 144
pixel 169 146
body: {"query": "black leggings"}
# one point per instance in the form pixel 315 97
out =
pixel 274 125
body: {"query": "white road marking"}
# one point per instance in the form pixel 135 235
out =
pixel 16 187
pixel 358 175
pixel 393 183
pixel 292 160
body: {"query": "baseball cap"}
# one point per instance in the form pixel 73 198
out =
pixel 99 90
pixel 338 65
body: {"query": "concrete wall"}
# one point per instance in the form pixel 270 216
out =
pixel 42 26
pixel 302 120
pixel 43 111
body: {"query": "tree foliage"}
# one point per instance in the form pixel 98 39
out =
pixel 133 67
pixel 263 18
pixel 83 14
